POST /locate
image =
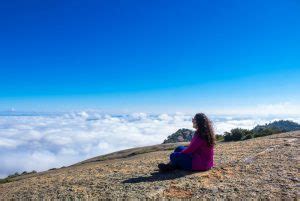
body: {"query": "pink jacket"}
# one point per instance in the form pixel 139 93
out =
pixel 202 155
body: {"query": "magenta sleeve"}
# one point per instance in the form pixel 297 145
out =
pixel 195 143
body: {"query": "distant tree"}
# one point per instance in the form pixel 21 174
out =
pixel 227 136
pixel 237 134
pixel 13 175
pixel 16 174
pixel 262 131
pixel 219 137
pixel 248 136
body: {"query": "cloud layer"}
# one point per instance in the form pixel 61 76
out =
pixel 43 141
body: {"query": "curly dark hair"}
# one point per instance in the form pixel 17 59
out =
pixel 205 128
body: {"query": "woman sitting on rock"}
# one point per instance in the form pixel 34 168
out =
pixel 199 154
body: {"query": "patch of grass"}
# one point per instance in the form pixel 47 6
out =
pixel 5 180
pixel 12 177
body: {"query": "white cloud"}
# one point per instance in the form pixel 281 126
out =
pixel 8 143
pixel 40 142
pixel 282 108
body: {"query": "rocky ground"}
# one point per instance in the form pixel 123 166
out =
pixel 265 168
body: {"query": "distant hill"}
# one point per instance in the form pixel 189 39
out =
pixel 185 135
pixel 181 135
pixel 275 127
pixel 281 126
pixel 236 134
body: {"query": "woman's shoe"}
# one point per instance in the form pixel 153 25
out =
pixel 166 167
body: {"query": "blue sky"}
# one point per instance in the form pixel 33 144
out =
pixel 149 55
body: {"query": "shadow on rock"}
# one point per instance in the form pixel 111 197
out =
pixel 158 176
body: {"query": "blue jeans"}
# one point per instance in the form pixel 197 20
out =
pixel 181 160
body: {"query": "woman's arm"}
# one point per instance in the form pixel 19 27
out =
pixel 193 146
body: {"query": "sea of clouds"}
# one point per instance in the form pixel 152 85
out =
pixel 40 141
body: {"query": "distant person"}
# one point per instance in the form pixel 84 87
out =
pixel 199 154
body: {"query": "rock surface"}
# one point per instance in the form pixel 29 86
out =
pixel 181 135
pixel 265 168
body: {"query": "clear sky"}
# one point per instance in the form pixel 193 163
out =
pixel 149 55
